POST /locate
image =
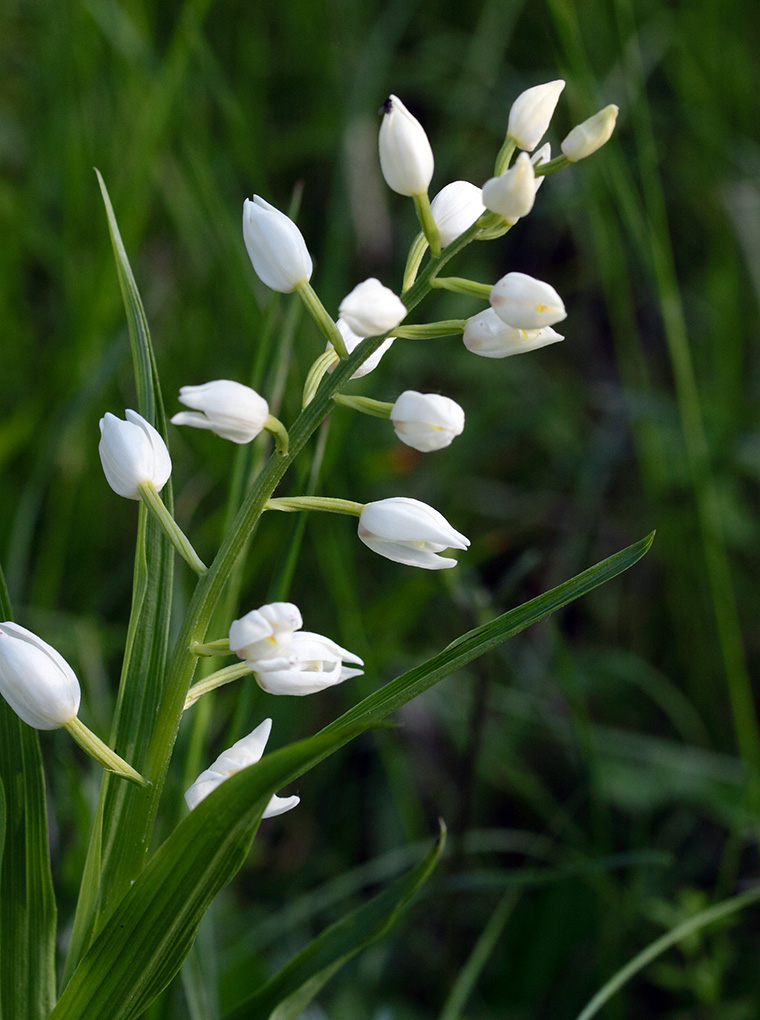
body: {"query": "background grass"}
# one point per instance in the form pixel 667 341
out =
pixel 600 773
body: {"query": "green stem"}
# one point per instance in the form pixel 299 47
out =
pixel 319 314
pixel 365 405
pixel 214 680
pixel 459 285
pixel 219 647
pixel 504 157
pixel 101 752
pixel 171 529
pixel 316 374
pixel 428 224
pixel 280 433
pixel 327 504
pixel 551 166
pixel 414 260
pixel 431 330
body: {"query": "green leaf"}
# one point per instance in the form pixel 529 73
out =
pixel 27 901
pixel 142 945
pixel 114 859
pixel 288 993
pixel 476 642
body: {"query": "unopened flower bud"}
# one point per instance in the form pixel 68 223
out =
pixel 352 340
pixel 531 113
pixel 426 421
pixel 35 680
pixel 409 531
pixel 406 158
pixel 227 408
pixel 265 633
pixel 245 752
pixel 132 453
pixel 487 335
pixel 275 246
pixel 455 208
pixel 526 303
pixel 513 193
pixel 591 135
pixel 371 309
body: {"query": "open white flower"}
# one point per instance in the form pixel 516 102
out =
pixel 490 337
pixel 406 158
pixel 371 308
pixel 409 531
pixel 310 663
pixel 275 246
pixel 132 453
pixel 37 682
pixel 426 421
pixel 229 409
pixel 531 113
pixel 265 633
pixel 455 208
pixel 526 303
pixel 245 752
pixel 351 340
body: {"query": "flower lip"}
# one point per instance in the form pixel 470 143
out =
pixel 35 680
pixel 132 452
pixel 229 409
pixel 489 336
pixel 406 158
pixel 409 531
pixel 275 246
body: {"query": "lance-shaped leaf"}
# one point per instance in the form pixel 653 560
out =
pixel 289 992
pixel 27 902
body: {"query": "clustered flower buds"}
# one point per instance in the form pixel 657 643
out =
pixel 229 409
pixel 245 752
pixel 275 246
pixel 531 113
pixel 490 337
pixel 406 158
pixel 409 531
pixel 37 682
pixel 132 454
pixel 426 421
pixel 371 309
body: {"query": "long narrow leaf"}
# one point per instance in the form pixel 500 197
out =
pixel 142 946
pixel 113 861
pixel 289 992
pixel 27 902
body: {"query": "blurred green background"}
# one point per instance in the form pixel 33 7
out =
pixel 600 774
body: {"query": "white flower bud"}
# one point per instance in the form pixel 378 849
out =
pixel 227 408
pixel 531 112
pixel 542 155
pixel 526 303
pixel 275 246
pixel 132 452
pixel 426 421
pixel 265 633
pixel 591 135
pixel 245 752
pixel 371 309
pixel 351 340
pixel 487 335
pixel 455 208
pixel 406 158
pixel 37 682
pixel 513 193
pixel 311 663
pixel 409 531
